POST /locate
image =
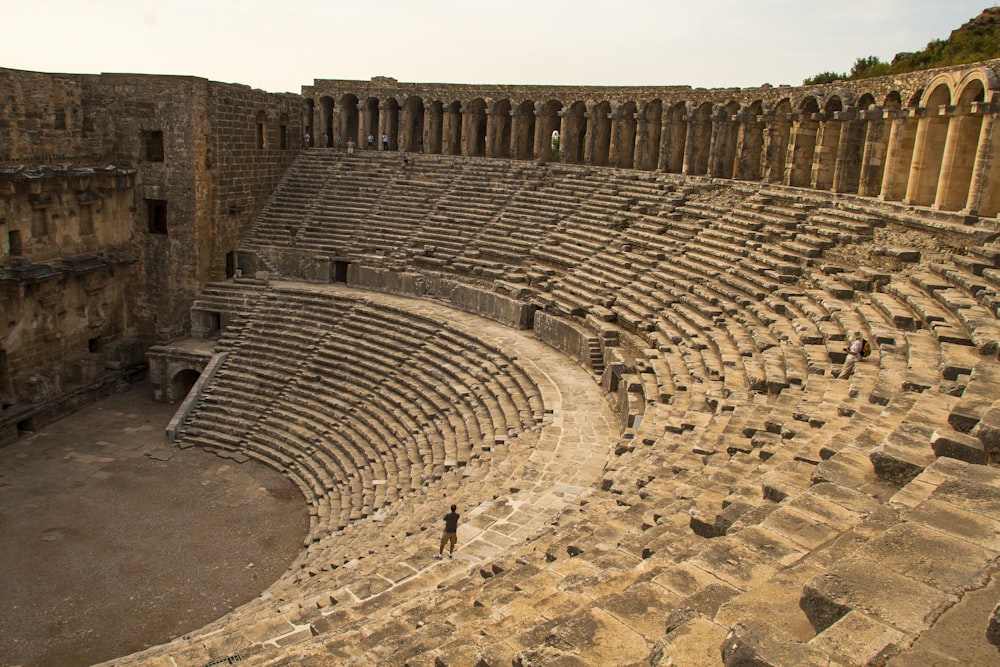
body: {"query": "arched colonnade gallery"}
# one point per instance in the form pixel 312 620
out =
pixel 926 139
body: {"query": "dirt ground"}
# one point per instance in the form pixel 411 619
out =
pixel 112 540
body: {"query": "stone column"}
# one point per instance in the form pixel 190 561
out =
pixel 588 147
pixel 690 144
pixel 491 131
pixel 898 154
pixel 873 153
pixel 983 196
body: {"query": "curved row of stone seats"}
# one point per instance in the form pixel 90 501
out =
pixel 334 407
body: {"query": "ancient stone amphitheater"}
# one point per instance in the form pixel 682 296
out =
pixel 618 352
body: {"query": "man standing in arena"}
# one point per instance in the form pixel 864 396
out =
pixel 450 533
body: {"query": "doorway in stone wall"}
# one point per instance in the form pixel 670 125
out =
pixel 340 271
pixel 182 383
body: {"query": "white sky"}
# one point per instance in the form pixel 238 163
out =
pixel 281 47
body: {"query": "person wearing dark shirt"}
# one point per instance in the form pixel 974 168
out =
pixel 450 534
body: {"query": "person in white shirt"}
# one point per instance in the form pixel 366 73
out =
pixel 854 353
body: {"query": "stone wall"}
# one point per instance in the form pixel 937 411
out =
pixel 121 195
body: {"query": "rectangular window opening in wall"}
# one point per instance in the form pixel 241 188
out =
pixel 283 137
pixel 260 136
pixel 156 211
pixel 14 242
pixel 95 345
pixel 154 145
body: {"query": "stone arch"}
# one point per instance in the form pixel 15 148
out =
pixel 600 152
pixel 348 118
pixel 390 122
pixel 547 122
pixel 750 142
pixel 828 135
pixel 574 134
pixel 623 137
pixel 524 130
pixel 928 145
pixel 725 131
pixel 777 140
pixel 893 101
pixel 648 144
pixel 865 101
pixel 453 129
pixel 699 140
pixel 181 383
pixel 412 127
pixel 326 122
pixel 676 137
pixel 802 143
pixel 309 111
pixel 475 126
pixel 371 119
pixel 500 129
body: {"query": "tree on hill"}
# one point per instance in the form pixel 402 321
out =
pixel 976 40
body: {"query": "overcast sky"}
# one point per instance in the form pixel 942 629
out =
pixel 282 46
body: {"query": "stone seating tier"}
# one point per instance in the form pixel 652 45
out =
pixel 748 495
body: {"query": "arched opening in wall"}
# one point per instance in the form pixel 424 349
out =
pixel 625 133
pixel 798 171
pixel 700 135
pixel 348 125
pixel 854 138
pixel 261 128
pixel 601 152
pixel 677 119
pixel 501 132
pixel 928 147
pixel 524 130
pixel 727 136
pixel 961 147
pixel 476 119
pixel 181 384
pixel 776 147
pixel 453 129
pixel 413 124
pixel 749 159
pixel 371 123
pixel 574 136
pixel 283 143
pixel 649 144
pixel 309 133
pixel 435 125
pixel 827 144
pixel 326 120
pixel 390 126
pixel 899 146
pixel 548 122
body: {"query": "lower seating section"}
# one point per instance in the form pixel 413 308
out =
pixel 746 503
